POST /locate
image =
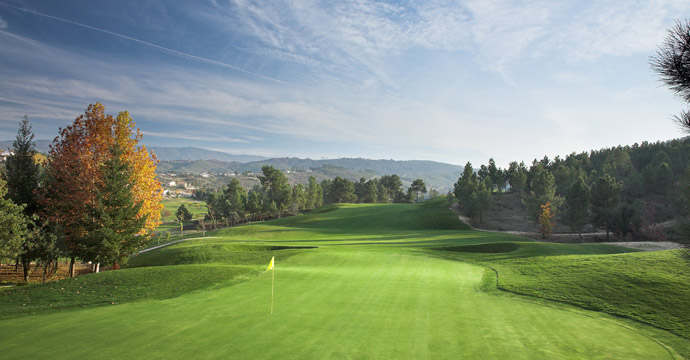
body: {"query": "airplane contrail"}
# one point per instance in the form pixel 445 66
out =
pixel 159 47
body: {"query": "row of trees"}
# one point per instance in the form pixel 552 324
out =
pixel 387 189
pixel 96 198
pixel 275 198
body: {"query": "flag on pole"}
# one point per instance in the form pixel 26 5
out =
pixel 273 279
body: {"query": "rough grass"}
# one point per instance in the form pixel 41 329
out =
pixel 651 287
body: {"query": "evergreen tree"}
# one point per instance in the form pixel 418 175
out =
pixel 360 187
pixel 255 202
pixel 299 199
pixel 517 177
pixel 605 197
pixel 212 207
pixel 672 63
pixel 664 178
pixel 277 188
pixel 483 198
pixel 234 200
pixel 370 191
pixel 183 215
pixel 314 194
pixel 22 173
pixel 22 170
pixel 683 206
pixel 465 185
pixel 576 214
pixel 393 186
pixel 542 191
pixel 342 191
pixel 626 219
pixel 382 194
pixel 417 187
pixel 14 226
pixel 114 228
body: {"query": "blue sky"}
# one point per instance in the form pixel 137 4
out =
pixel 450 81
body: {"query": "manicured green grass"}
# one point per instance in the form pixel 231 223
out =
pixel 372 289
pixel 335 304
pixel 197 208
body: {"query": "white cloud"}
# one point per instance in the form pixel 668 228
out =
pixel 3 23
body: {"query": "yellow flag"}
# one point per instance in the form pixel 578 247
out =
pixel 270 266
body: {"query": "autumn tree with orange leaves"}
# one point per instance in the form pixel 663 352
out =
pixel 545 220
pixel 75 176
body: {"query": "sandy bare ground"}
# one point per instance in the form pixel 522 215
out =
pixel 647 245
pixel 587 238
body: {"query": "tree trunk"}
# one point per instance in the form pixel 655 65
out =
pixel 72 266
pixel 45 271
pixel 579 235
pixel 27 269
pixel 607 233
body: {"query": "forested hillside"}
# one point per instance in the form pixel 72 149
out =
pixel 628 191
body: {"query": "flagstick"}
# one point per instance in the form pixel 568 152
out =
pixel 273 278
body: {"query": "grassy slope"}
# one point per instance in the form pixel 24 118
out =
pixel 362 294
pixel 648 287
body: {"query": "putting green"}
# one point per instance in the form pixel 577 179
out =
pixel 332 303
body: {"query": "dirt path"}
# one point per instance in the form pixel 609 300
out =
pixel 173 242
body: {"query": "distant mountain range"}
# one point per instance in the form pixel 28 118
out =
pixel 439 175
pixel 194 160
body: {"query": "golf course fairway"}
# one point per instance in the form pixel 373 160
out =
pixel 368 299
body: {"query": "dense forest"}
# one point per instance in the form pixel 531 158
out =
pixel 620 189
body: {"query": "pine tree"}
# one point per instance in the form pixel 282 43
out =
pixel 418 186
pixel 542 191
pixel 14 226
pixel 22 169
pixel 22 184
pixel 576 213
pixel 605 197
pixel 113 230
pixel 683 205
pixel 183 215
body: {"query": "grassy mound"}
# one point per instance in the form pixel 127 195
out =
pixel 115 287
pixel 213 251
